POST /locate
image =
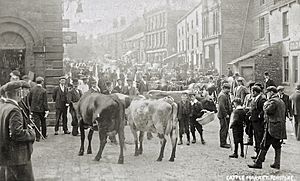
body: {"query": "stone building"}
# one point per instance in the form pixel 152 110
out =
pixel 160 33
pixel 189 38
pixel 134 47
pixel 31 39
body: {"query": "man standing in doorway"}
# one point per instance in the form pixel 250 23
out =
pixel 60 97
pixel 224 112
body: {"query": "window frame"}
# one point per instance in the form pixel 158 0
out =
pixel 286 68
pixel 262 28
pixel 285 25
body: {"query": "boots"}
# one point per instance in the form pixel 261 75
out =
pixel 202 140
pixel 180 141
pixel 235 154
pixel 276 164
pixel 188 139
pixel 258 163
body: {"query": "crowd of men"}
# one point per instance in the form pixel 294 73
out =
pixel 262 108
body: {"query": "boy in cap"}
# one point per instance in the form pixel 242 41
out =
pixel 184 113
pixel 237 126
pixel 61 99
pixel 16 137
pixel 268 81
pixel 224 112
pixel 39 107
pixel 286 99
pixel 240 91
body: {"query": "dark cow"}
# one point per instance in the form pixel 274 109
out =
pixel 106 112
pixel 156 116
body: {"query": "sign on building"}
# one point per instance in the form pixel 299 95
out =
pixel 70 37
pixel 294 45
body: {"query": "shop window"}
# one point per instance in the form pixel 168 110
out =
pixel 262 27
pixel 285 25
pixel 295 66
pixel 286 69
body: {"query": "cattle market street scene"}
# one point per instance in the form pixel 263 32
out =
pixel 149 90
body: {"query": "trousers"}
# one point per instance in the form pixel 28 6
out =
pixel 258 129
pixel 297 127
pixel 17 173
pixel 61 113
pixel 223 133
pixel 40 121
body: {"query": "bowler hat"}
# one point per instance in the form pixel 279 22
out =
pixel 256 89
pixel 10 86
pixel 272 88
pixel 226 85
pixel 75 81
pixel 15 73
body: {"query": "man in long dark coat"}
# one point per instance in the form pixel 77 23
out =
pixel 275 130
pixel 295 98
pixel 60 97
pixel 224 112
pixel 184 113
pixel 74 96
pixel 16 137
pixel 257 117
pixel 196 112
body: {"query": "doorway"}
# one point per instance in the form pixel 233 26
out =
pixel 11 59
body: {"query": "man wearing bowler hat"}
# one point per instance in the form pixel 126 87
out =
pixel 60 97
pixel 16 137
pixel 74 96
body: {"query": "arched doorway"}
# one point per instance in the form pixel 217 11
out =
pixel 12 55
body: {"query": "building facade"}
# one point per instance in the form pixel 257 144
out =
pixel 160 33
pixel 31 39
pixel 135 48
pixel 189 38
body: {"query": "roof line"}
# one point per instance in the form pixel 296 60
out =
pixel 188 13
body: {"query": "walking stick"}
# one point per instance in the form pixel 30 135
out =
pixel 35 127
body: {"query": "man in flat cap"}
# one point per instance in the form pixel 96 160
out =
pixel 27 79
pixel 295 98
pixel 74 96
pixel 240 91
pixel 94 88
pixel 257 116
pixel 119 87
pixel 286 99
pixel 61 99
pixel 275 130
pixel 39 106
pixel 14 75
pixel 224 112
pixel 16 137
pixel 84 87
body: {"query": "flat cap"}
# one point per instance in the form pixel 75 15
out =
pixel 39 79
pixel 240 79
pixel 62 77
pixel 93 81
pixel 272 89
pixel 129 80
pixel 256 88
pixel 15 73
pixel 259 85
pixel 25 77
pixel 279 88
pixel 226 85
pixel 75 81
pixel 298 87
pixel 24 84
pixel 10 86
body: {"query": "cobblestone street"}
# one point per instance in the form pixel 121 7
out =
pixel 56 159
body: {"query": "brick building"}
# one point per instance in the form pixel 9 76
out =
pixel 189 38
pixel 31 39
pixel 160 33
pixel 134 47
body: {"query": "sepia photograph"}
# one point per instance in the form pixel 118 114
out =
pixel 149 90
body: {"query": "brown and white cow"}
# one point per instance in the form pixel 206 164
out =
pixel 156 116
pixel 109 112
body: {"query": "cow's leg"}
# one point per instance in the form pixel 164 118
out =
pixel 122 141
pixel 134 133
pixel 141 137
pixel 82 137
pixel 90 136
pixel 103 141
pixel 162 148
pixel 173 137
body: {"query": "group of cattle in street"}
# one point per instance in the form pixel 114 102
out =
pixel 156 114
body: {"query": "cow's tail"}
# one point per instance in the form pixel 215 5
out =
pixel 172 124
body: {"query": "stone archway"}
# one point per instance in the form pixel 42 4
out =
pixel 17 38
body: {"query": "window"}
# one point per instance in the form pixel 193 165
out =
pixel 188 27
pixel 286 69
pixel 197 20
pixel 192 24
pixel 182 44
pixel 214 23
pixel 217 22
pixel 188 43
pixel 295 66
pixel 192 41
pixel 178 32
pixel 285 25
pixel 161 39
pixel 261 27
pixel 205 26
pixel 197 39
pixel 179 47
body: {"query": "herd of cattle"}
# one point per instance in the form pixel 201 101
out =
pixel 157 114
